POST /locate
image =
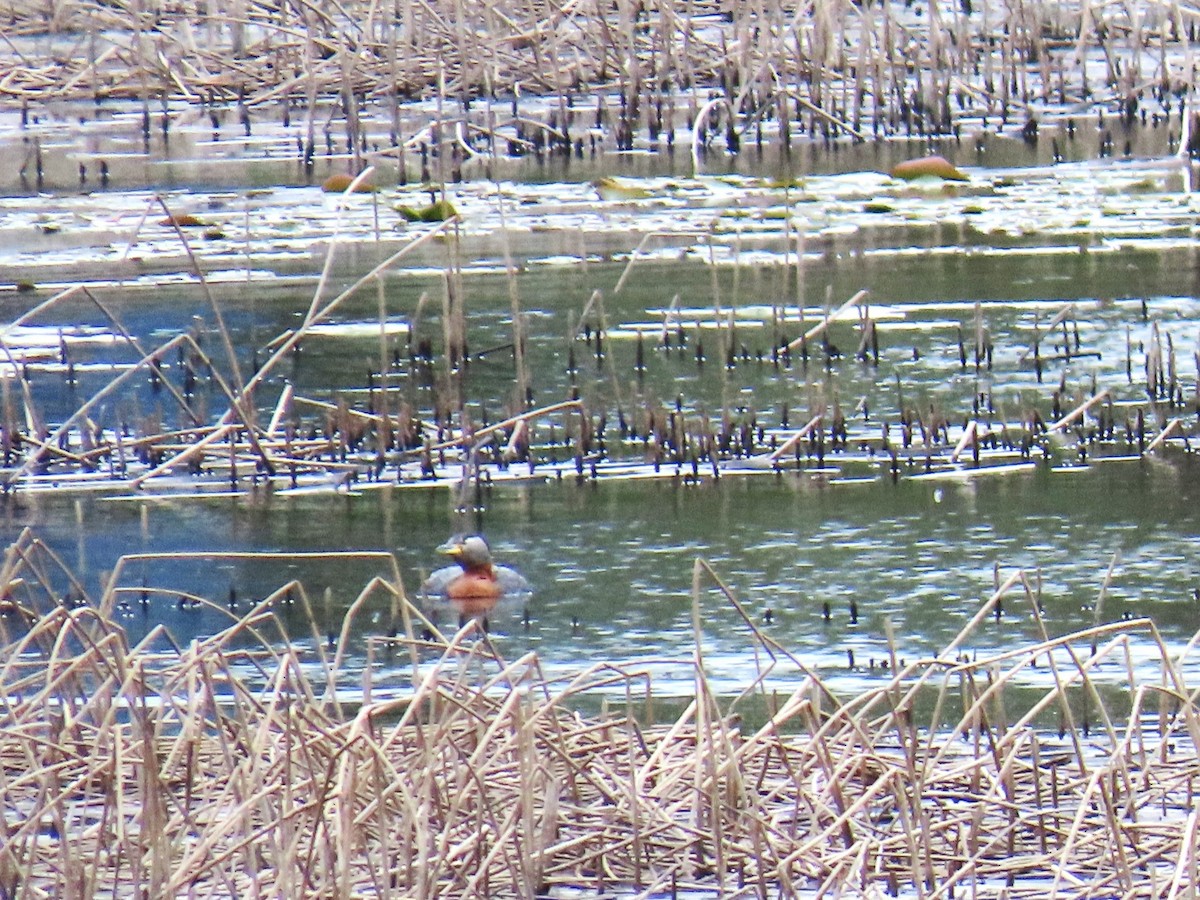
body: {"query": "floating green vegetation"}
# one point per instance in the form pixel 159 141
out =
pixel 437 211
pixel 258 230
pixel 618 189
pixel 1147 185
pixel 396 437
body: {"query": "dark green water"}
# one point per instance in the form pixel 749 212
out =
pixel 611 561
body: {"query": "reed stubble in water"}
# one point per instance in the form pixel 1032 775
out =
pixel 741 75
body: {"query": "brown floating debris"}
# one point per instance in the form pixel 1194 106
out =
pixel 341 182
pixel 183 220
pixel 928 167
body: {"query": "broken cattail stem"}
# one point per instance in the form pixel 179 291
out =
pixel 819 329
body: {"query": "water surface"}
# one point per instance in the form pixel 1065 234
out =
pixel 827 557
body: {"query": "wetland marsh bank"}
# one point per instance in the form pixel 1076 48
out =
pixel 158 771
pixel 859 512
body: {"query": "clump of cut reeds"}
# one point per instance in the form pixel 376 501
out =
pixel 227 769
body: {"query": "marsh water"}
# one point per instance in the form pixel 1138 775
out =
pixel 826 558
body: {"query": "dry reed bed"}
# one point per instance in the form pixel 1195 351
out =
pixel 832 67
pixel 224 770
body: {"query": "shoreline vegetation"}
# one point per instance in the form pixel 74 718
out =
pixel 228 768
pixel 497 78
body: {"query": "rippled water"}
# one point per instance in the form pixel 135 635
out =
pixel 612 561
pixel 611 564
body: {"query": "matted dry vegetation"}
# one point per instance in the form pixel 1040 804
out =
pixel 832 66
pixel 229 769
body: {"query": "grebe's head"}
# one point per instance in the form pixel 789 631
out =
pixel 470 552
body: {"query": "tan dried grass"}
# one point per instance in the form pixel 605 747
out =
pixel 220 769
